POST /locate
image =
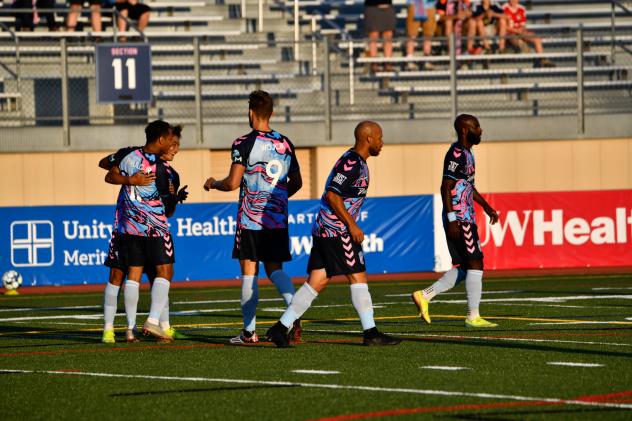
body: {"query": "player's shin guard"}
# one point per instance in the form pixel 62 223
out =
pixel 361 299
pixel 110 302
pixel 164 318
pixel 443 284
pixel 300 303
pixel 474 288
pixel 131 302
pixel 283 284
pixel 159 299
pixel 249 301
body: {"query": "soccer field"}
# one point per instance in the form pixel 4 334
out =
pixel 563 350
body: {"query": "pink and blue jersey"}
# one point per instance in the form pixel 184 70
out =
pixel 140 208
pixel 269 158
pixel 459 165
pixel 350 180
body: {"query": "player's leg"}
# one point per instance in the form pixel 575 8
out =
pixel 273 250
pixel 249 301
pixel 110 303
pixel 130 296
pixel 159 300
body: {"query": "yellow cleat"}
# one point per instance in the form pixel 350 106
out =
pixel 174 334
pixel 478 323
pixel 422 305
pixel 108 336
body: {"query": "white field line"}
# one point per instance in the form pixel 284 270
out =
pixel 315 372
pixel 559 299
pixel 7 310
pixel 444 367
pixel 482 338
pixel 571 323
pixel 610 288
pixel 329 386
pixel 460 293
pixel 567 364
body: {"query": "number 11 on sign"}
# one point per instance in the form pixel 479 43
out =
pixel 130 63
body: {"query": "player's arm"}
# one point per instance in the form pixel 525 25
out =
pixel 114 176
pixel 493 215
pixel 230 183
pixel 447 185
pixel 338 206
pixel 294 183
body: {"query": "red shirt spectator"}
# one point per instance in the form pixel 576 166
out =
pixel 517 16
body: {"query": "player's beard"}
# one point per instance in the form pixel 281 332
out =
pixel 473 139
pixel 250 120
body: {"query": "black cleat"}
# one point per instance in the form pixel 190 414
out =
pixel 278 335
pixel 374 337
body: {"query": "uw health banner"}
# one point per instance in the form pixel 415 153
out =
pixel 558 230
pixel 65 245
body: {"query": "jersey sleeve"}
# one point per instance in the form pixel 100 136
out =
pixel 294 166
pixel 115 159
pixel 130 164
pixel 454 164
pixel 240 150
pixel 343 176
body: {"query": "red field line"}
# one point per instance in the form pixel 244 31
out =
pixel 606 397
pixel 408 276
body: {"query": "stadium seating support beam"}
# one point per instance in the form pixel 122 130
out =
pixel 64 92
pixel 199 129
pixel 327 87
pixel 453 92
pixel 581 129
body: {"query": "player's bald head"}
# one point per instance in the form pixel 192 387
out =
pixel 366 128
pixel 465 121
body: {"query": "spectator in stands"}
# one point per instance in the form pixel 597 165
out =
pixel 51 23
pixel 421 13
pixel 75 10
pixel 132 10
pixel 27 21
pixel 379 18
pixel 517 20
pixel 489 17
pixel 453 15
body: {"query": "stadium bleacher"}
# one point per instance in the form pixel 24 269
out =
pixel 236 58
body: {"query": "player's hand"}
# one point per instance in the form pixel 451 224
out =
pixel 454 230
pixel 140 179
pixel 356 234
pixel 493 215
pixel 209 183
pixel 183 194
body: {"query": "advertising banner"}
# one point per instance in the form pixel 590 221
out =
pixel 558 230
pixel 66 245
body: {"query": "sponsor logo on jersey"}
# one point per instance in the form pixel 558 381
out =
pixel 339 178
pixel 452 166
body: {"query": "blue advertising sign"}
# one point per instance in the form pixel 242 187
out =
pixel 123 73
pixel 67 245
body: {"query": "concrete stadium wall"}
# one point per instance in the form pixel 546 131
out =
pixel 73 178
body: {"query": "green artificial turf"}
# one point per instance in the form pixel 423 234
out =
pixel 64 372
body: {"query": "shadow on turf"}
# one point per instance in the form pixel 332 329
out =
pixel 206 389
pixel 529 347
pixel 500 416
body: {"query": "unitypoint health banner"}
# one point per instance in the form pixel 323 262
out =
pixel 68 244
pixel 558 230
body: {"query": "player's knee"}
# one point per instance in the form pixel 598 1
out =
pixel 475 265
pixel 116 277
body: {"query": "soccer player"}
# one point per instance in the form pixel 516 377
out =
pixel 265 167
pixel 458 194
pixel 145 237
pixel 117 270
pixel 337 240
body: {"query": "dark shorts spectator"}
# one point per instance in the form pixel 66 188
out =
pixel 380 19
pixel 135 11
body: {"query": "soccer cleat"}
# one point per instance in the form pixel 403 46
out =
pixel 154 330
pixel 278 335
pixel 130 335
pixel 108 336
pixel 373 337
pixel 296 334
pixel 174 334
pixel 245 337
pixel 478 323
pixel 422 305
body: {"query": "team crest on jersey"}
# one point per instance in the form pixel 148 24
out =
pixel 236 156
pixel 452 166
pixel 339 178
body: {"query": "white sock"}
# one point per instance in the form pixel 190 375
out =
pixel 110 302
pixel 443 284
pixel 474 288
pixel 249 301
pixel 164 318
pixel 299 305
pixel 283 284
pixel 361 299
pixel 159 299
pixel 130 296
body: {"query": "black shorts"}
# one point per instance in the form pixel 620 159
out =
pixel 267 245
pixel 81 2
pixel 137 250
pixel 114 258
pixel 337 255
pixel 135 11
pixel 467 247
